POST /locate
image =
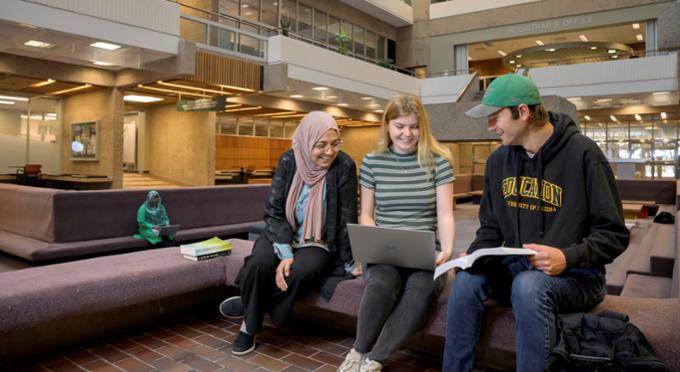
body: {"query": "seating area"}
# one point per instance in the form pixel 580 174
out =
pixel 467 186
pixel 96 296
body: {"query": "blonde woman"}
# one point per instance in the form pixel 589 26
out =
pixel 406 183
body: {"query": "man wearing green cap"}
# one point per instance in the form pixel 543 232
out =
pixel 550 189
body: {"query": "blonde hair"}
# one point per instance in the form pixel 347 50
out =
pixel 403 105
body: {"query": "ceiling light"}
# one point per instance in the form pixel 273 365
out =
pixel 181 86
pixel 639 37
pixel 244 5
pixel 519 65
pixel 343 104
pixel 615 56
pixel 297 96
pixel 172 91
pixel 38 44
pixel 587 117
pixel 233 105
pixel 518 56
pixel 13 98
pixel 611 51
pixel 142 99
pixel 320 88
pixel 366 98
pixel 502 53
pixel 42 83
pixel 331 97
pixel 248 13
pixel 288 116
pixel 539 42
pixel 512 61
pixel 276 113
pixel 583 38
pixel 102 63
pixel 613 117
pixel 244 109
pixel 663 115
pixel 72 89
pixel 636 26
pixel 550 50
pixel 103 45
pixel 638 117
pixel 7 102
pixel 660 93
pixel 379 111
pixel 603 100
pixel 593 48
pixel 236 88
pixel 374 105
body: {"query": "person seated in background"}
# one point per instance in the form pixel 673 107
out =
pixel 406 183
pixel 304 245
pixel 151 216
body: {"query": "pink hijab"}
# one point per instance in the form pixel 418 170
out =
pixel 312 127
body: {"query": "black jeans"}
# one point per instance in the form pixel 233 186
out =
pixel 395 304
pixel 257 281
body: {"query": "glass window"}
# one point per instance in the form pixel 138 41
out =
pixel 276 129
pixel 380 47
pixel 269 9
pixel 248 44
pixel 250 10
pixel 305 21
pixel 333 30
pixel 226 124
pixel 261 127
pixel 641 150
pixel 289 14
pixel 618 131
pixel 346 29
pixel 370 44
pixel 230 7
pixel 319 26
pixel 289 128
pixel 359 40
pixel 245 126
pixel 641 131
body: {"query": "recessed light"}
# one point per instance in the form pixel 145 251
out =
pixel 297 96
pixel 379 111
pixel 611 51
pixel 245 5
pixel 42 83
pixel 7 102
pixel 638 117
pixel 320 88
pixel 663 115
pixel 103 45
pixel 343 104
pixel 72 89
pixel 366 98
pixel 13 98
pixel 603 100
pixel 102 63
pixel 639 37
pixel 613 117
pixel 38 44
pixel 660 93
pixel 550 50
pixel 587 117
pixel 143 99
pixel 539 42
pixel 331 97
pixel 615 56
pixel 518 56
pixel 374 105
pixel 512 61
pixel 519 65
pixel 583 38
pixel 502 53
pixel 636 26
pixel 593 48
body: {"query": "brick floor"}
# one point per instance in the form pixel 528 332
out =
pixel 203 343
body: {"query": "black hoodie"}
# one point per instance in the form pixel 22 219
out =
pixel 576 208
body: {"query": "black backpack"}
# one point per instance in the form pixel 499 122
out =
pixel 603 342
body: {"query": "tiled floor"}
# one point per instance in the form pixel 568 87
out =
pixel 203 343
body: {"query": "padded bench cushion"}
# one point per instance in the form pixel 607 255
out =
pixel 47 293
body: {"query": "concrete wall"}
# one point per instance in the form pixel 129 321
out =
pixel 668 28
pixel 106 106
pixel 359 141
pixel 181 145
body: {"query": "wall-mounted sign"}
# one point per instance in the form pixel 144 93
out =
pixel 202 104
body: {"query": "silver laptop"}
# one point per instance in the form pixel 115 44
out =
pixel 412 249
pixel 168 230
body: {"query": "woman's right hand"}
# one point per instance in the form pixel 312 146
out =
pixel 282 271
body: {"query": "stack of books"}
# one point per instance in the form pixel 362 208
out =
pixel 211 248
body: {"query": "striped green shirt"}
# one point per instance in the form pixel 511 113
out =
pixel 404 196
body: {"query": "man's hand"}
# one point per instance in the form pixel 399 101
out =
pixel 357 270
pixel 548 259
pixel 282 271
pixel 442 257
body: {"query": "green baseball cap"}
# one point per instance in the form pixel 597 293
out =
pixel 506 91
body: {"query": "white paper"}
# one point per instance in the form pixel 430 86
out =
pixel 467 261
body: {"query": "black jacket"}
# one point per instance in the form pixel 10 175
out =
pixel 565 197
pixel 341 208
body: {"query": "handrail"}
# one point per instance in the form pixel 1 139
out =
pixel 230 17
pixel 474 78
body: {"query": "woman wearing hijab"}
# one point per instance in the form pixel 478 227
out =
pixel 305 244
pixel 151 215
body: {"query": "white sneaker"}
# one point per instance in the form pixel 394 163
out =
pixel 371 366
pixel 352 362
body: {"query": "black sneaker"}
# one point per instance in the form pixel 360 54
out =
pixel 243 344
pixel 232 307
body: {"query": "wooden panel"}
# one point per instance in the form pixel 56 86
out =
pixel 248 152
pixel 216 69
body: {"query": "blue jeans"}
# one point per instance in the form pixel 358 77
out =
pixel 535 299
